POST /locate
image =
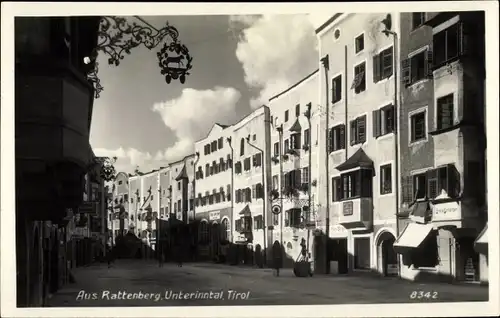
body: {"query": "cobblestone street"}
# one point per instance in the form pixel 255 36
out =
pixel 242 286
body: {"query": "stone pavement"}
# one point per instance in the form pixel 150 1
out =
pixel 241 286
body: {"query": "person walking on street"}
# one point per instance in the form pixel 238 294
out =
pixel 110 257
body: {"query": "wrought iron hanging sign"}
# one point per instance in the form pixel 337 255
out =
pixel 116 38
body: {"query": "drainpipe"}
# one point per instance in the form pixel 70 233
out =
pixel 264 214
pixel 280 132
pixel 308 116
pixel 194 188
pixel 346 96
pixel 326 66
pixel 228 139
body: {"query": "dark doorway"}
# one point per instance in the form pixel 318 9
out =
pixel 469 260
pixel 389 256
pixel 338 253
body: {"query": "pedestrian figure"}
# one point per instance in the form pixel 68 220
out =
pixel 277 257
pixel 110 257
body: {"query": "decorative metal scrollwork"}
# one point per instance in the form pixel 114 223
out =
pixel 116 38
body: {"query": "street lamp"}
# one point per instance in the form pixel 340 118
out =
pixel 264 214
pixel 387 22
pixel 308 116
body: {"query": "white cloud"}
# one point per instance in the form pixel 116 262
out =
pixel 276 52
pixel 191 115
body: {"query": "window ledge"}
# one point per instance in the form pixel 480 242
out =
pixel 385 79
pixel 447 129
pixel 418 142
pixel 425 269
pixel 446 200
pixel 385 195
pixel 385 136
pixel 336 151
pixel 420 81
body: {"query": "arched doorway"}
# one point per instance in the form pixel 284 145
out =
pixel 387 259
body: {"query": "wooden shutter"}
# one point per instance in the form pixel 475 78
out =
pixel 376 123
pixel 249 194
pixel 406 71
pixel 353 132
pixel 287 181
pixel 407 185
pixel 334 90
pixel 453 181
pixel 298 179
pixel 429 62
pixel 254 192
pixel 362 128
pixel 432 183
pixel 330 140
pixel 376 68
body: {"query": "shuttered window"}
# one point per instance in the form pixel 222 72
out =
pixel 336 137
pixel 383 65
pixel 336 189
pixel 383 121
pixel 358 130
pixel 445 111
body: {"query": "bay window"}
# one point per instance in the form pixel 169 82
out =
pixel 352 185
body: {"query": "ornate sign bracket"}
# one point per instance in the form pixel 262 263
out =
pixel 116 38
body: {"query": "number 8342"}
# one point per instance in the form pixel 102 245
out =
pixel 423 295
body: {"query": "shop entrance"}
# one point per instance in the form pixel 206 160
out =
pixel 469 260
pixel 338 253
pixel 387 258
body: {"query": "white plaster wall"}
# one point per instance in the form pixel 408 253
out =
pixel 376 95
pixel 221 179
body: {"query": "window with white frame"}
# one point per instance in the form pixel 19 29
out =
pixel 419 186
pixel 359 43
pixel 383 65
pixel 307 137
pixel 276 149
pixel 445 107
pixel 417 67
pixel 383 121
pixel 417 19
pixel 336 89
pixel 305 177
pixel 359 82
pixel 336 137
pixel 386 179
pixel 418 126
pixel 275 182
pixel 358 130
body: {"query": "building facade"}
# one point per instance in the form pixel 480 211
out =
pixel 251 177
pixel 135 195
pixel 181 181
pixel 51 95
pixel 294 168
pixel 358 139
pixel 165 190
pixel 213 190
pixel 442 145
pixel 120 204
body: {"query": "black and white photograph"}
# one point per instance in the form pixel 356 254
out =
pixel 269 160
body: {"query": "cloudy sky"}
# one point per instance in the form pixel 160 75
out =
pixel 238 63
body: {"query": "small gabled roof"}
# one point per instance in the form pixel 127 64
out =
pixel 182 174
pixel 358 159
pixel 296 126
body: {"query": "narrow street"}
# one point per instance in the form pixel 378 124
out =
pixel 240 286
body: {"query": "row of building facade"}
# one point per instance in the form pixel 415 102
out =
pixel 376 161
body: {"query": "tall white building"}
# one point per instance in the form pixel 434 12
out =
pixel 295 169
pixel 358 183
pixel 213 191
pixel 252 182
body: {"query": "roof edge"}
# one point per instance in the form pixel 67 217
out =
pixel 328 22
pixel 294 85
